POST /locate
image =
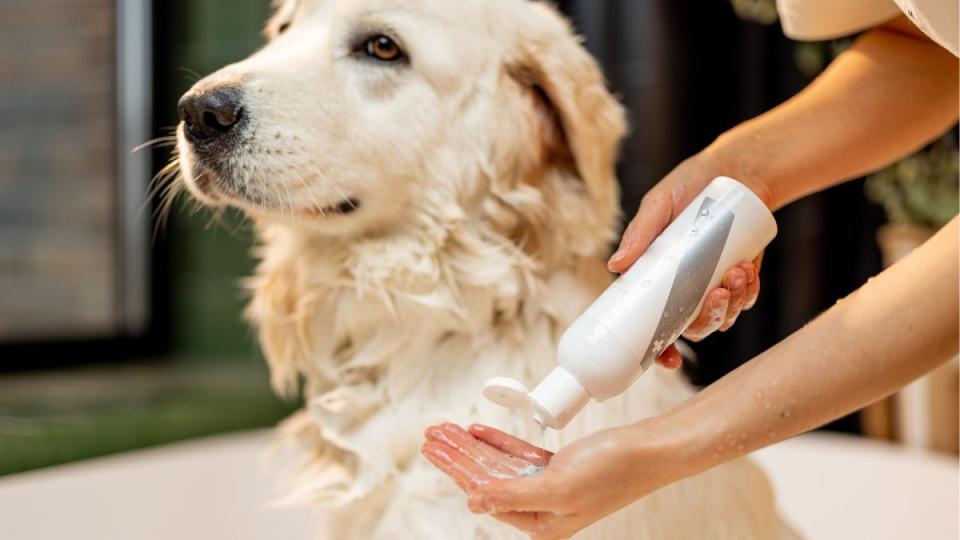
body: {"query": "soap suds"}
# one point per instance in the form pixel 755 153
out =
pixel 530 470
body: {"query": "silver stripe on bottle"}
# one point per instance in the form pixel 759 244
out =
pixel 707 239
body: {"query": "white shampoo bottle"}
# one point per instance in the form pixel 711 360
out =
pixel 648 307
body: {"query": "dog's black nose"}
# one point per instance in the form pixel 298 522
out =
pixel 212 113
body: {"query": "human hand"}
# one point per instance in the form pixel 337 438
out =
pixel 741 284
pixel 579 485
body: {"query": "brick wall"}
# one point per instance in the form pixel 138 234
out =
pixel 57 169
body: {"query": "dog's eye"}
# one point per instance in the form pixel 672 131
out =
pixel 283 27
pixel 383 48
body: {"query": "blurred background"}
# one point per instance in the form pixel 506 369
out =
pixel 116 333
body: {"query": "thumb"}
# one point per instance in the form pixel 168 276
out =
pixel 515 495
pixel 656 211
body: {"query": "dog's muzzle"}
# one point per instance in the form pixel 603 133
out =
pixel 213 118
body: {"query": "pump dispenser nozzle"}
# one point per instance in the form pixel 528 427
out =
pixel 558 398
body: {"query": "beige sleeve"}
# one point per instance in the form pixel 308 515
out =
pixel 810 20
pixel 937 19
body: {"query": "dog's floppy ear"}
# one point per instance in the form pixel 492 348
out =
pixel 579 120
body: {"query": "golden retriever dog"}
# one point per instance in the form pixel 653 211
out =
pixel 433 188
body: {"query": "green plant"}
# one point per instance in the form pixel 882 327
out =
pixel 923 189
pixel 812 57
pixel 761 11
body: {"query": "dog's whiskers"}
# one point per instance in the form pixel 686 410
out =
pixel 342 194
pixel 217 220
pixel 167 184
pixel 313 196
pixel 289 200
pixel 190 74
pixel 324 174
pixel 159 142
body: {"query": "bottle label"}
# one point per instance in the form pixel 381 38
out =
pixel 705 241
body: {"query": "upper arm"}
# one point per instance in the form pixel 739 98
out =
pixel 904 52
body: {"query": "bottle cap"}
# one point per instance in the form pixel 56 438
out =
pixel 558 398
pixel 506 392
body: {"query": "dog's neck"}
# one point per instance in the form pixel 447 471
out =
pixel 378 328
pixel 340 312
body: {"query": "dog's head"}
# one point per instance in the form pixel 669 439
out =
pixel 358 113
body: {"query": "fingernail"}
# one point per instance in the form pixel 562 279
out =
pixel 737 285
pixel 436 433
pixel 439 454
pixel 617 257
pixel 478 504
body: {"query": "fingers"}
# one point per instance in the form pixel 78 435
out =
pixel 734 281
pixel 529 504
pixel 712 315
pixel 670 358
pixel 467 474
pixel 487 457
pixel 739 292
pixel 753 287
pixel 511 445
pixel 656 211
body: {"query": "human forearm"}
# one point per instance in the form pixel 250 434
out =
pixel 892 92
pixel 895 328
pixel 889 332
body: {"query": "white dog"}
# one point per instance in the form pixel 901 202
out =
pixel 433 185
